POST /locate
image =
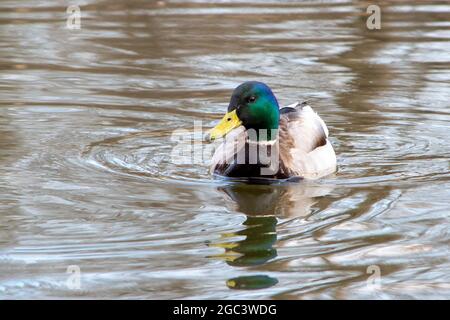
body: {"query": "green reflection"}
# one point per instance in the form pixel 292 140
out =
pixel 257 246
pixel 254 245
pixel 259 203
pixel 256 240
pixel 251 282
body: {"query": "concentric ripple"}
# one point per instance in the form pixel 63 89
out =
pixel 147 155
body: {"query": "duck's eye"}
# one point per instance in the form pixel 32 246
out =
pixel 252 99
pixel 229 119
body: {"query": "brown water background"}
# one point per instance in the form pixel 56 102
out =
pixel 87 179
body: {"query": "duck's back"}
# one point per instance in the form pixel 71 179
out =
pixel 304 145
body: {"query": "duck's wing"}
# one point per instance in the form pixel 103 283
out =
pixel 232 144
pixel 304 146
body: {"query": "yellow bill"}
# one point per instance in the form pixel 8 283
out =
pixel 228 123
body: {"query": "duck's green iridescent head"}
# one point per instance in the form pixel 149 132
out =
pixel 252 105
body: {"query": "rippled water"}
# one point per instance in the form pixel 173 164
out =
pixel 87 178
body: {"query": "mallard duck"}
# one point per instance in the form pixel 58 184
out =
pixel 263 141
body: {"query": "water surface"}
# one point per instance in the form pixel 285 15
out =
pixel 87 178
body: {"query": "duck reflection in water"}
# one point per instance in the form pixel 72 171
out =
pixel 262 204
